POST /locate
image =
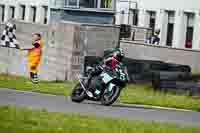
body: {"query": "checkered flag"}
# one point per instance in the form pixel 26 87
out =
pixel 8 38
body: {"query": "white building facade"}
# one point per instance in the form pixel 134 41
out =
pixel 178 20
pixel 83 11
pixel 34 11
pixel 39 11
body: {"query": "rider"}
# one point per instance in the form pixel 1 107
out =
pixel 115 59
pixel 110 63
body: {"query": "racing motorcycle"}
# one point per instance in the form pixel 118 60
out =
pixel 111 83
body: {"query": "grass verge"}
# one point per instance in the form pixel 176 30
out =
pixel 133 94
pixel 144 94
pixel 20 83
pixel 21 120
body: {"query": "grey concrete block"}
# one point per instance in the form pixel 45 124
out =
pixel 63 50
pixel 170 55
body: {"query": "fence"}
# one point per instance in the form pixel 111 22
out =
pixel 138 34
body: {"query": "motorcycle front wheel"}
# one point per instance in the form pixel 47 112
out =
pixel 78 94
pixel 109 97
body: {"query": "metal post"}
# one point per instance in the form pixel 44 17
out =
pixel 85 47
pixel 8 61
pixel 119 38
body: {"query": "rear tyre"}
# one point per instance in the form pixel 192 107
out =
pixel 78 94
pixel 108 97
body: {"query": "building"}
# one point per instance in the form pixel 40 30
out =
pixel 83 11
pixel 46 11
pixel 178 20
pixel 34 11
pixel 126 12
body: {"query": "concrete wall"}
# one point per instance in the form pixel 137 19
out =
pixel 63 48
pixel 168 55
pixel 55 15
pixel 16 59
pixel 91 40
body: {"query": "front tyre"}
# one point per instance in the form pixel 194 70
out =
pixel 109 97
pixel 78 94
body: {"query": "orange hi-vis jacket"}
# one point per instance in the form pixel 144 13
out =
pixel 34 55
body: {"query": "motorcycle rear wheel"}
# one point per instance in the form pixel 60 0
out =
pixel 78 94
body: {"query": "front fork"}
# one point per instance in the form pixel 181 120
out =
pixel 81 80
pixel 110 87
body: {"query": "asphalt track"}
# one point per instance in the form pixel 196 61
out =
pixel 64 104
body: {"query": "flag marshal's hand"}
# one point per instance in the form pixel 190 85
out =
pixel 22 49
pixel 25 49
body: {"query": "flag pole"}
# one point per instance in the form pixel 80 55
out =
pixel 8 61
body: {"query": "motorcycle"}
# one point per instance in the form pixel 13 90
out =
pixel 111 83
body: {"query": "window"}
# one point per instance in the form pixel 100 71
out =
pixel 88 3
pixel 105 4
pixel 152 20
pixel 45 14
pixel 33 13
pixel 189 30
pixel 135 16
pixel 72 3
pixel 22 11
pixel 12 12
pixel 170 28
pixel 2 12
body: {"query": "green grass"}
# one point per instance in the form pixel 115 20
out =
pixel 133 94
pixel 20 120
pixel 20 83
pixel 144 94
